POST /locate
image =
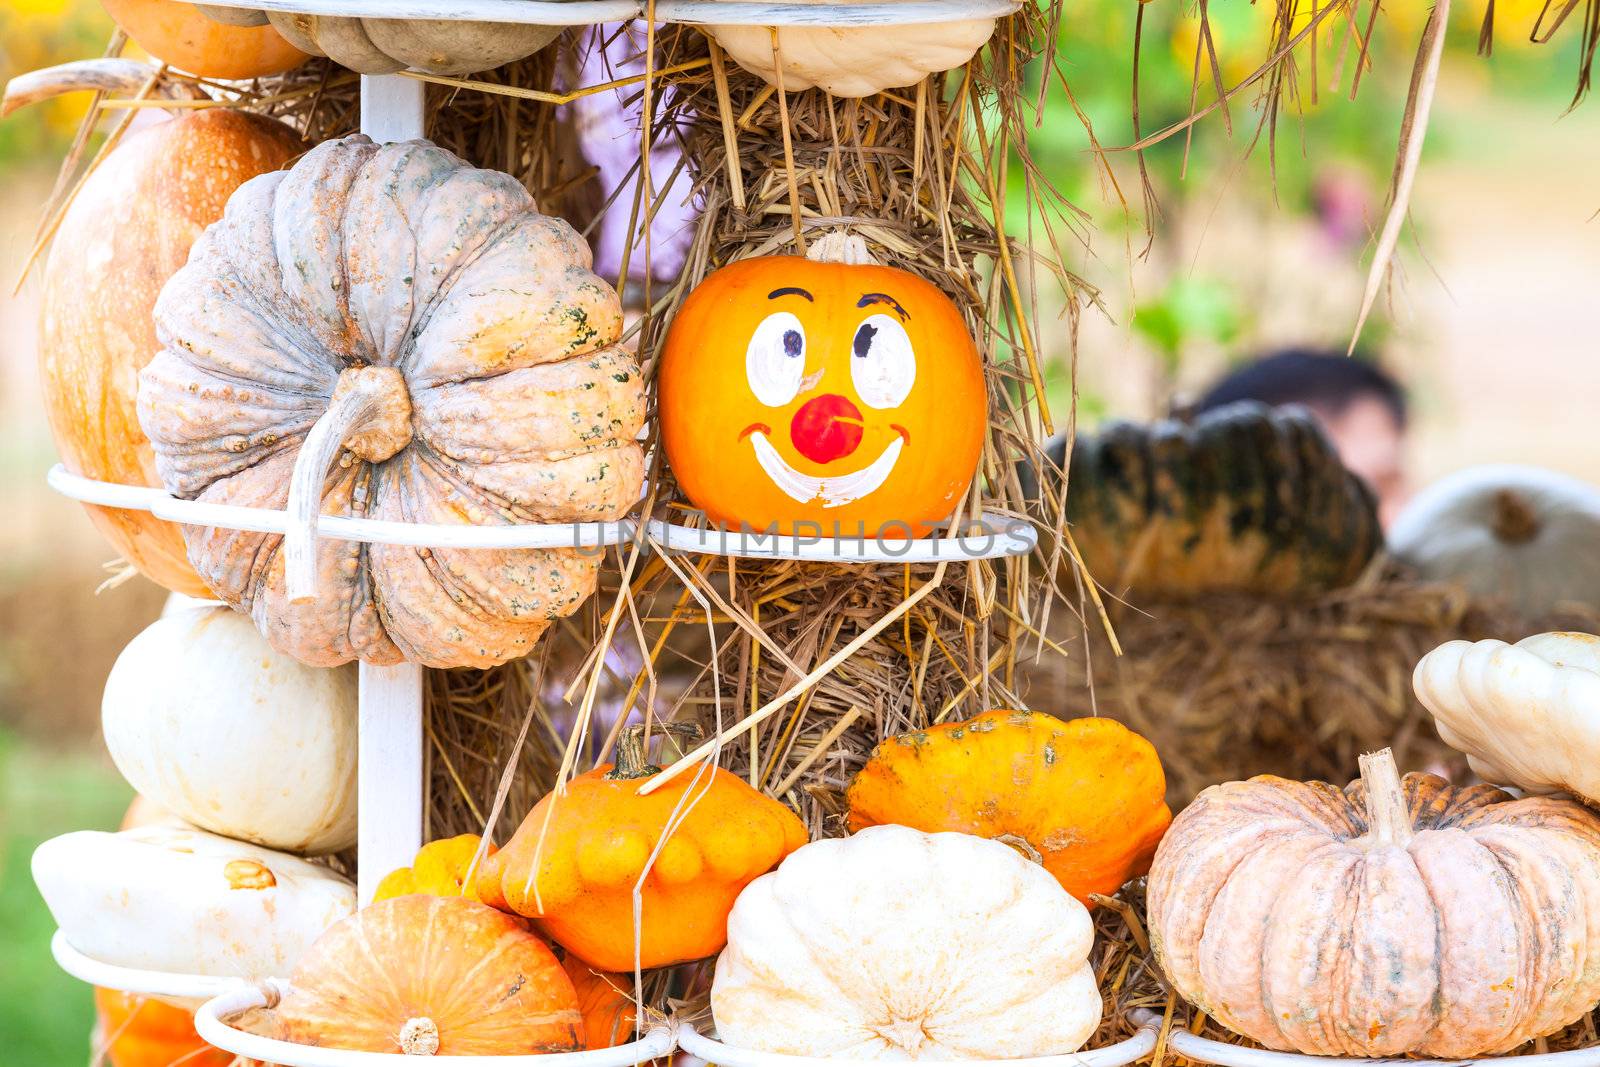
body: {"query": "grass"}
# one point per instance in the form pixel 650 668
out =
pixel 44 1015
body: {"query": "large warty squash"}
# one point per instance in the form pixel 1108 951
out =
pixel 388 332
pixel 1245 498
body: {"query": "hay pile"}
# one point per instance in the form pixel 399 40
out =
pixel 1230 686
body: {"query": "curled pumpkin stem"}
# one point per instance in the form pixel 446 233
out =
pixel 370 414
pixel 125 76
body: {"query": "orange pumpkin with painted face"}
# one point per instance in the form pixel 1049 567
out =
pixel 796 394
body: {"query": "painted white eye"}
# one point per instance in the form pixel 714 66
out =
pixel 776 359
pixel 882 364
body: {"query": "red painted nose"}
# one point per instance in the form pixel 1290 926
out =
pixel 827 428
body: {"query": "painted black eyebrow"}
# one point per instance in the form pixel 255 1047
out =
pixel 884 298
pixel 790 290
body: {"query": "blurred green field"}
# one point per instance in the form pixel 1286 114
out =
pixel 44 1015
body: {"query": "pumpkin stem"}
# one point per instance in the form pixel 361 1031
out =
pixel 369 413
pixel 124 76
pixel 841 246
pixel 419 1037
pixel 631 762
pixel 1515 522
pixel 1388 815
pixel 1022 846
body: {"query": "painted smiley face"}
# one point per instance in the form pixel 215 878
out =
pixel 794 392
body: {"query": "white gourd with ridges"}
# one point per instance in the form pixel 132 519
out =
pixel 205 718
pixel 1526 714
pixel 854 60
pixel 894 944
pixel 184 901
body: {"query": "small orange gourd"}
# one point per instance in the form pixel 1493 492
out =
pixel 181 36
pixel 605 1000
pixel 593 841
pixel 1086 794
pixel 425 975
pixel 440 869
pixel 136 1031
pixel 796 393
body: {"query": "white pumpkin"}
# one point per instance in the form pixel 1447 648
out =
pixel 1526 714
pixel 853 60
pixel 163 898
pixel 203 717
pixel 894 944
pixel 1524 535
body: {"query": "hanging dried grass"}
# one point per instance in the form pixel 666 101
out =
pixel 1231 686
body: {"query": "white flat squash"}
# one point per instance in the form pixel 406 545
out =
pixel 163 898
pixel 206 719
pixel 853 60
pixel 1526 715
pixel 894 944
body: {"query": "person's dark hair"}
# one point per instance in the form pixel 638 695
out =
pixel 1317 378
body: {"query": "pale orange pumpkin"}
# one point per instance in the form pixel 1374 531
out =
pixel 573 863
pixel 181 36
pixel 799 393
pixel 136 1031
pixel 128 229
pixel 426 975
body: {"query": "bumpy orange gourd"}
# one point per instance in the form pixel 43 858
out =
pixel 439 870
pixel 387 332
pixel 1086 794
pixel 136 1031
pixel 801 391
pixel 605 1000
pixel 429 975
pixel 593 841
pixel 180 36
pixel 129 228
pixel 1393 917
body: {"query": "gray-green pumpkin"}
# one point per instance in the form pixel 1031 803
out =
pixel 1245 498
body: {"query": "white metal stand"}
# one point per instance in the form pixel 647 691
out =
pixel 390 787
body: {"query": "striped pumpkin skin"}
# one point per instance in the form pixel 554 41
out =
pixel 1469 927
pixel 418 971
pixel 1243 499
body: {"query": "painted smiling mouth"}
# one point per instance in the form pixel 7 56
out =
pixel 834 490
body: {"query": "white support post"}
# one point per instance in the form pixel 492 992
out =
pixel 391 786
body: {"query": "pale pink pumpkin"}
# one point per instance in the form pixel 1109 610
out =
pixel 1381 919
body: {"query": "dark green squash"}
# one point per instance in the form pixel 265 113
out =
pixel 1244 498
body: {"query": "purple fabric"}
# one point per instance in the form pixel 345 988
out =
pixel 608 127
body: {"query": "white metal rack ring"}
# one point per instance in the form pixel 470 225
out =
pixel 996 536
pixel 713 1051
pixel 585 12
pixel 211 1023
pixel 1194 1047
pixel 164 984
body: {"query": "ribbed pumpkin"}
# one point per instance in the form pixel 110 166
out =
pixel 424 975
pixel 439 870
pixel 1086 794
pixel 1384 919
pixel 605 1000
pixel 1244 498
pixel 827 393
pixel 387 332
pixel 382 46
pixel 128 229
pixel 179 35
pixel 594 840
pixel 135 1031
